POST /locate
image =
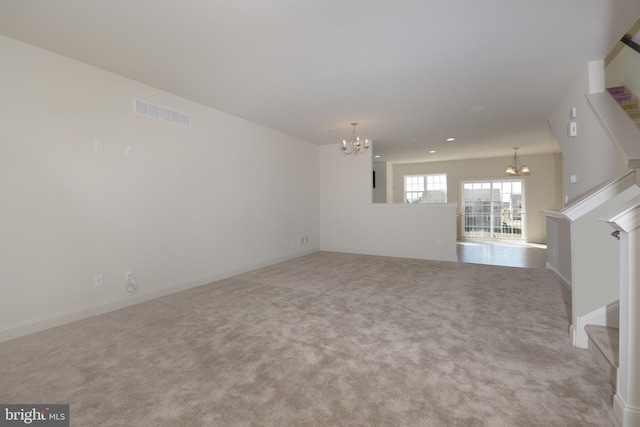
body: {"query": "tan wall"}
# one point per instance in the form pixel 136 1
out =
pixel 624 69
pixel 543 188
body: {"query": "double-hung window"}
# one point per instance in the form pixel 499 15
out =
pixel 430 188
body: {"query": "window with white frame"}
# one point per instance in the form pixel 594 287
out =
pixel 425 188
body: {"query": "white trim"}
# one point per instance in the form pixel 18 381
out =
pixel 554 214
pixel 572 335
pixel 62 318
pixel 625 416
pixel 629 219
pixel 609 315
pixel 521 179
pixel 599 195
pixel 596 76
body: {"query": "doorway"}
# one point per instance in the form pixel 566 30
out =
pixel 493 209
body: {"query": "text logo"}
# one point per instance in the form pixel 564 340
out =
pixel 34 415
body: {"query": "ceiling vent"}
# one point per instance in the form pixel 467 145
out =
pixel 145 108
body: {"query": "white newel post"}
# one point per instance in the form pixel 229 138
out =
pixel 626 403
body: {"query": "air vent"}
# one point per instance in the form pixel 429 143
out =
pixel 145 108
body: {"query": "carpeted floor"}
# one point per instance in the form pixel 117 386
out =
pixel 325 340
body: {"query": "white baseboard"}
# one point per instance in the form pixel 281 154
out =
pixel 566 282
pixel 572 335
pixel 609 315
pixel 626 416
pixel 62 318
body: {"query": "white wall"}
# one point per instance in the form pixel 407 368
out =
pixel 591 155
pixel 593 158
pixel 191 206
pixel 350 222
pixel 595 267
pixel 543 188
pixel 559 246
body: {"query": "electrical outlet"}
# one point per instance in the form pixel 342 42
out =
pixel 128 275
pixel 128 151
pixel 98 280
pixel 98 146
pixel 303 240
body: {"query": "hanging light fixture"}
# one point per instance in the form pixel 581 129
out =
pixel 354 146
pixel 516 168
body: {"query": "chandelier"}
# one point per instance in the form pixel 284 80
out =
pixel 516 167
pixel 354 146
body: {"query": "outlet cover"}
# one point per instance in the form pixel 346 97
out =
pixel 98 280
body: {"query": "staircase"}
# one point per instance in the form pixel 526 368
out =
pixel 604 346
pixel 628 101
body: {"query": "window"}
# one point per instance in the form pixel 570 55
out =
pixel 494 209
pixel 414 189
pixel 425 188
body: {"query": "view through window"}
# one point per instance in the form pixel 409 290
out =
pixel 425 188
pixel 493 209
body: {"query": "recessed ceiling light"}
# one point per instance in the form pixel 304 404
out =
pixel 377 157
pixel 450 139
pixel 432 151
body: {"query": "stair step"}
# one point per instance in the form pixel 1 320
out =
pixel 623 96
pixel 616 89
pixel 604 346
pixel 627 100
pixel 634 114
pixel 630 104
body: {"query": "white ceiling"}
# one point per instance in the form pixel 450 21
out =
pixel 409 71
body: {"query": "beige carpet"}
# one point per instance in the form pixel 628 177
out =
pixel 329 340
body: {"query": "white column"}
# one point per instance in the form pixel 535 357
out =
pixel 626 404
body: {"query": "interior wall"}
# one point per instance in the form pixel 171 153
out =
pixel 191 205
pixel 595 265
pixel 593 158
pixel 591 155
pixel 623 70
pixel 379 193
pixel 350 222
pixel 559 246
pixel 543 188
